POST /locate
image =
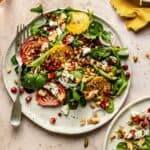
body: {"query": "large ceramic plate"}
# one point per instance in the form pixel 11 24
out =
pixel 121 120
pixel 40 116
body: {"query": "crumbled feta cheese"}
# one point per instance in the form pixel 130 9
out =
pixel 63 26
pixel 62 18
pixel 59 31
pixel 141 133
pixel 52 87
pixel 134 113
pixel 65 109
pixel 85 50
pixel 69 39
pixel 52 23
pixel 66 74
pixel 44 46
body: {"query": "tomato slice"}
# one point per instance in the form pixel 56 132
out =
pixel 31 49
pixel 52 100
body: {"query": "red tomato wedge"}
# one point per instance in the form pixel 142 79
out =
pixel 52 100
pixel 31 49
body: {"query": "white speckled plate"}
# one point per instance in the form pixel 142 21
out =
pixel 121 119
pixel 40 116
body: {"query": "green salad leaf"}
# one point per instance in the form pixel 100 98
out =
pixel 100 53
pixel 38 9
pixel 14 60
pixel 122 146
pixel 33 81
pixel 110 108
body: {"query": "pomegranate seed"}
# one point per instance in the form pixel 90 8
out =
pixel 125 67
pixel 144 124
pixel 136 120
pixel 51 75
pixel 128 75
pixel 107 92
pixel 59 114
pixel 67 53
pixel 52 120
pixel 104 104
pixel 28 98
pixel 132 132
pixel 64 40
pixel 53 17
pixel 83 39
pixel 148 110
pixel 14 90
pixel 73 64
pixel 21 90
pixel 111 62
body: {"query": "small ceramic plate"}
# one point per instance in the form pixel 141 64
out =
pixel 121 120
pixel 40 115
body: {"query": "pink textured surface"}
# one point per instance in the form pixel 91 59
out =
pixel 30 136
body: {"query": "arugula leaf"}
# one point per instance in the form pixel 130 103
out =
pixel 100 53
pixel 106 36
pixel 14 60
pixel 36 30
pixel 77 74
pixel 110 108
pixel 95 29
pixel 76 42
pixel 38 9
pixel 122 146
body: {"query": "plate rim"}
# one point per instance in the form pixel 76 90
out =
pixel 129 105
pixel 34 120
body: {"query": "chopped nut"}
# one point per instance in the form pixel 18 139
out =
pixel 93 105
pixel 52 36
pixel 16 81
pixel 86 142
pixel 113 136
pixel 42 93
pixel 135 58
pixel 9 70
pixel 93 120
pixel 98 103
pixel 61 19
pixel 147 56
pixel 77 80
pixel 82 122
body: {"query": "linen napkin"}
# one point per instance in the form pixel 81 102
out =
pixel 134 16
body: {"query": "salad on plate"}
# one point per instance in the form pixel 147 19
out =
pixel 69 59
pixel 136 135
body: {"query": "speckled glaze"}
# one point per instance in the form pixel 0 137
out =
pixel 140 105
pixel 30 136
pixel 41 116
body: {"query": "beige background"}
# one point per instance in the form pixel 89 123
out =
pixel 30 136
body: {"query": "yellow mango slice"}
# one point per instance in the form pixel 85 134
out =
pixel 124 8
pixel 79 22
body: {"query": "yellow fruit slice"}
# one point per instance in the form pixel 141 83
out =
pixel 59 52
pixel 79 22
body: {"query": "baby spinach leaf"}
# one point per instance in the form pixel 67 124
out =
pixel 14 60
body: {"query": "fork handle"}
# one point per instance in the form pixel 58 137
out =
pixel 17 109
pixel 16 112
